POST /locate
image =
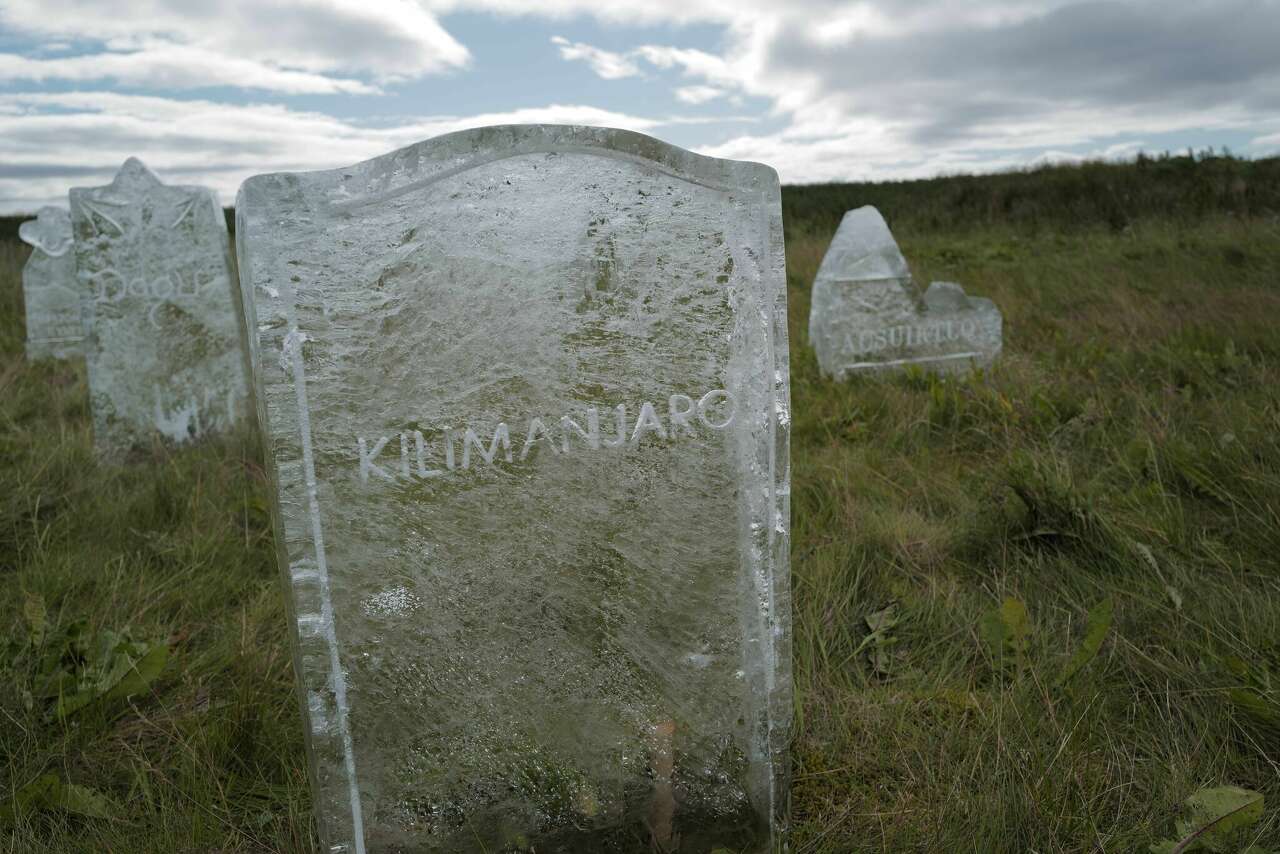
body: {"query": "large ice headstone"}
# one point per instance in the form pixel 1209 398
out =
pixel 49 287
pixel 867 314
pixel 525 401
pixel 161 311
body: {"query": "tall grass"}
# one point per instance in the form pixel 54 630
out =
pixel 1124 447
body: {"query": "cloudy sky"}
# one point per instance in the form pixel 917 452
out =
pixel 211 91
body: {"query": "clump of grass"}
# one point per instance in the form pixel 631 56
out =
pixel 171 555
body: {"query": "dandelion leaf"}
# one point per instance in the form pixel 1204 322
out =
pixel 1096 628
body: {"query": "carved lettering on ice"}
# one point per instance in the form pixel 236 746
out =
pixel 714 410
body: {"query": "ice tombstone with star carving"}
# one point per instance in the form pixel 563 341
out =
pixel 49 287
pixel 161 312
pixel 868 315
pixel 525 399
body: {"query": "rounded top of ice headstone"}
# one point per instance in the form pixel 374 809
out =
pixel 50 231
pixel 422 163
pixel 864 249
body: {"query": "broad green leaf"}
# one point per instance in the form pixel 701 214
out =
pixel 1096 628
pixel 884 619
pixel 1224 809
pixel 1215 818
pixel 74 702
pixel 963 700
pixel 1005 630
pixel 85 801
pixel 30 796
pixel 33 611
pixel 879 643
pixel 993 633
pixel 1014 615
pixel 115 668
pixel 1254 705
pixel 141 673
pixel 49 792
pixel 38 792
pixel 112 664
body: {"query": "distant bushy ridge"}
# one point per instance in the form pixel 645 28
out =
pixel 1187 187
pixel 1060 197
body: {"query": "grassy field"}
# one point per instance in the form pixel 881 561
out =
pixel 951 540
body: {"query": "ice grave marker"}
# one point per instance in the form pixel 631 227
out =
pixel 524 396
pixel 162 318
pixel 49 287
pixel 867 314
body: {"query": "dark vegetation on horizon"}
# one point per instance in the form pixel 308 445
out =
pixel 1058 197
pixel 1190 186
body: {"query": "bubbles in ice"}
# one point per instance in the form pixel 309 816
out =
pixel 392 602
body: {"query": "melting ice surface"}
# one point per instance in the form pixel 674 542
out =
pixel 159 309
pixel 867 314
pixel 526 397
pixel 49 287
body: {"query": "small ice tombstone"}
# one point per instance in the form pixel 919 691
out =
pixel 866 313
pixel 161 313
pixel 524 394
pixel 49 287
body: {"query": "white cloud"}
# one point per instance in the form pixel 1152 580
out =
pixel 698 94
pixel 606 64
pixel 896 15
pixel 858 20
pixel 897 88
pixel 871 148
pixel 50 142
pixel 166 66
pixel 696 63
pixel 650 12
pixel 854 89
pixel 389 39
pixel 611 65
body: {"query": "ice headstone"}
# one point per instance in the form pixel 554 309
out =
pixel 867 314
pixel 161 311
pixel 49 287
pixel 525 402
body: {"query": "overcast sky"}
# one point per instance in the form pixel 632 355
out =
pixel 211 91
